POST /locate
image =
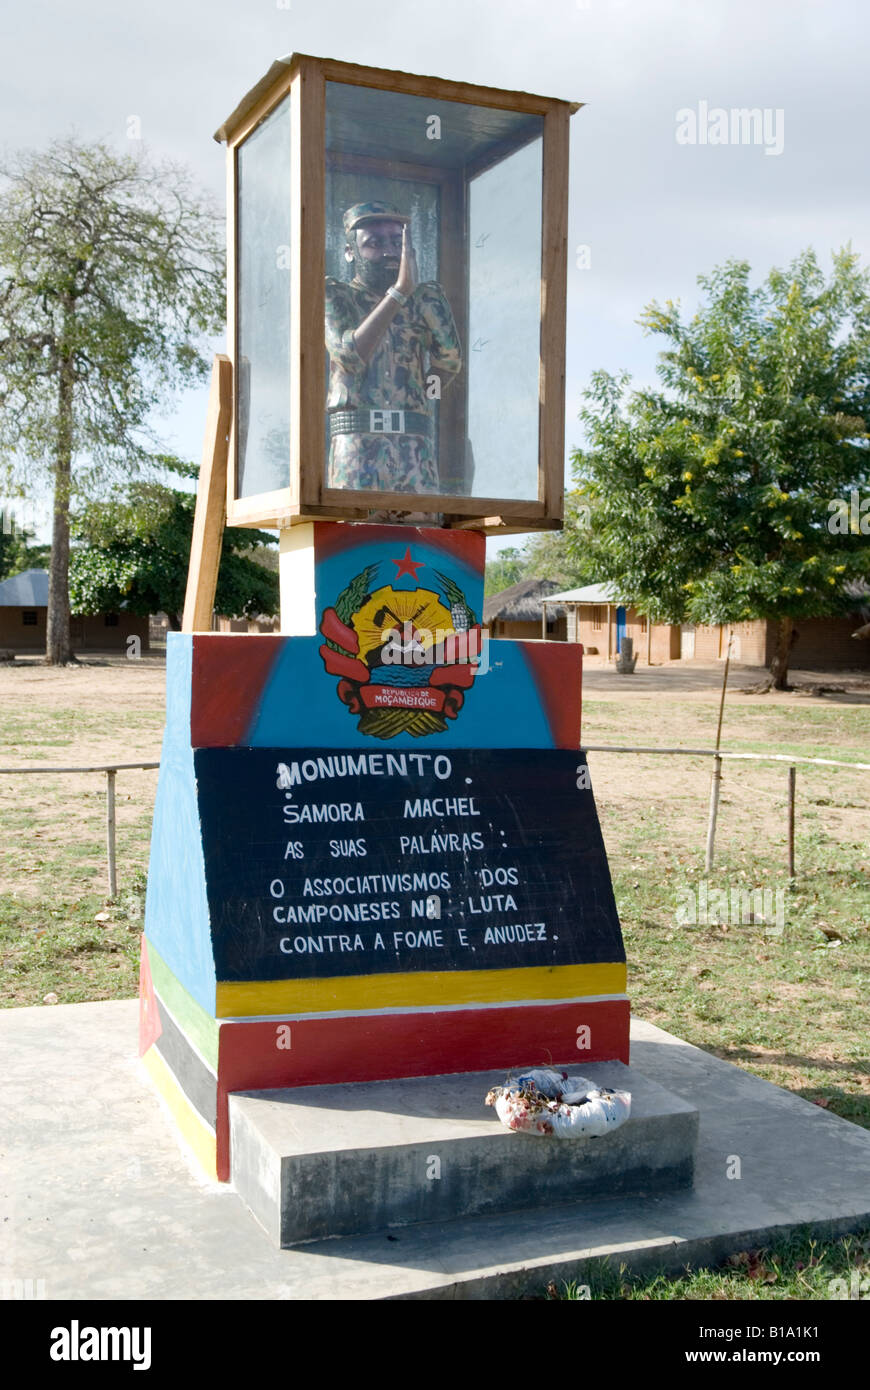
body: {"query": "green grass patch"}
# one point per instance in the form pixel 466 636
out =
pixel 796 1268
pixel 787 1003
pixel 65 950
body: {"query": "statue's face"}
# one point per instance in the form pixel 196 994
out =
pixel 376 250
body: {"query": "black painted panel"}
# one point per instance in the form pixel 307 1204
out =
pixel 402 861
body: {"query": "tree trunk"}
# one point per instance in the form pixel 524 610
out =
pixel 782 655
pixel 777 675
pixel 174 621
pixel 58 651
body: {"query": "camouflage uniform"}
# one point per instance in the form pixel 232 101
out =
pixel 421 337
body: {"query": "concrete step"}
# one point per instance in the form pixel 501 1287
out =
pixel 318 1161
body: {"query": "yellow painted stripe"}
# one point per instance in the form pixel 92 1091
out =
pixel 199 1137
pixel 237 999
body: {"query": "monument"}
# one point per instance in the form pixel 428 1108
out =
pixel 376 857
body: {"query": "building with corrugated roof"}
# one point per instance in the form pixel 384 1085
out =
pixel 24 618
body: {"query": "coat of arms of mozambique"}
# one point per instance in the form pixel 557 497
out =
pixel 404 657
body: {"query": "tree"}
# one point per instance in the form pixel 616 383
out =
pixel 503 570
pixel 110 275
pixel 134 554
pixel 559 555
pixel 713 497
pixel 565 556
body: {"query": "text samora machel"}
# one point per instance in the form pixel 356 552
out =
pixel 423 807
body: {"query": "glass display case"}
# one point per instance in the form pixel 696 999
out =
pixel 397 265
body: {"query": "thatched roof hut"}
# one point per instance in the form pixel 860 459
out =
pixel 521 603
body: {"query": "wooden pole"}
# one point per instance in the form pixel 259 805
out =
pixel 792 776
pixel 211 502
pixel 716 779
pixel 724 688
pixel 543 620
pixel 715 784
pixel 110 832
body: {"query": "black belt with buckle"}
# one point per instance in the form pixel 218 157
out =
pixel 379 422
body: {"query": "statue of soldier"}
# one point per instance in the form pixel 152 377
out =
pixel 385 333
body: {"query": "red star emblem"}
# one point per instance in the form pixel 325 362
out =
pixel 408 566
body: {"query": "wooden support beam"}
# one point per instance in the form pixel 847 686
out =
pixel 211 502
pixel 479 523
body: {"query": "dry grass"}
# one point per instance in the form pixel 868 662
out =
pixel 790 1008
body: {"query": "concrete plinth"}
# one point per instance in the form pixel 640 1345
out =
pixel 97 1200
pixel 321 1161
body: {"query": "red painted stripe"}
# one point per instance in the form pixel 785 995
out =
pixel 230 671
pixel 150 1026
pixel 379 1047
pixel 334 537
pixel 558 671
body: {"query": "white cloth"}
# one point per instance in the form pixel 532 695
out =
pixel 546 1103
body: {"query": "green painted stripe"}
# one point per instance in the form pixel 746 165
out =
pixel 203 1031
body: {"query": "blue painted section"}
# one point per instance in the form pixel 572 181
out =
pixel 176 910
pixel 335 572
pixel 620 627
pixel 300 708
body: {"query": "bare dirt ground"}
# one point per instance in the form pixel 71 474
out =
pixel 109 708
pixel 791 1007
pixel 100 681
pixel 104 710
pixel 677 706
pixel 99 685
pixel 703 680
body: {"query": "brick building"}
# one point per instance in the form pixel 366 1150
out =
pixel 823 644
pixel 598 617
pixel 24 617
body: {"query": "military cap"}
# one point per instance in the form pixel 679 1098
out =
pixel 376 211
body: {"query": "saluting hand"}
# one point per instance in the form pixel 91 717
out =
pixel 406 281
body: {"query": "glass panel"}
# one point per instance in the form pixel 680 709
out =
pixel 504 324
pixel 263 306
pixel 435 391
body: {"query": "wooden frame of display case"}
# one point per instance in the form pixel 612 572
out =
pixel 307 497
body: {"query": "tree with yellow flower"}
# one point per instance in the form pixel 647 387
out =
pixel 710 494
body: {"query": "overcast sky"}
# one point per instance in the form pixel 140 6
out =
pixel 654 213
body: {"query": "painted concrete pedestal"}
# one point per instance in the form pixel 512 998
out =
pixel 375 851
pixel 322 1161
